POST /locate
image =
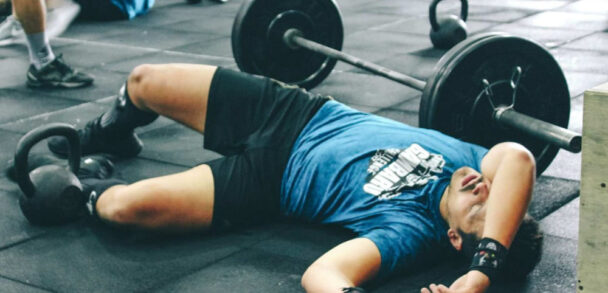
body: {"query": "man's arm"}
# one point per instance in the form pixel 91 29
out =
pixel 347 265
pixel 512 170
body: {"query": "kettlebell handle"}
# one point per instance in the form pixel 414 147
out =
pixel 34 136
pixel 464 12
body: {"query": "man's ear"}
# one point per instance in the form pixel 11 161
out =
pixel 455 239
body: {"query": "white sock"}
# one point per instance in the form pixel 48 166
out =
pixel 41 53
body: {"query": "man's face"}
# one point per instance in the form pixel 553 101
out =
pixel 466 201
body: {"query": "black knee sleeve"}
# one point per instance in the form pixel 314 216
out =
pixel 124 116
pixel 92 188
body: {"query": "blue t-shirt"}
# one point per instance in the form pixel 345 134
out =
pixel 133 8
pixel 377 177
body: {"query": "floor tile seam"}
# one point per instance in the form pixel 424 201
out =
pixel 10 131
pixel 566 203
pixel 107 65
pixel 568 198
pixel 559 237
pixel 178 30
pixel 537 12
pixel 217 37
pixel 566 28
pixel 175 31
pixel 566 3
pixel 25 283
pixel 576 70
pixel 581 50
pixel 102 101
pixel 112 32
pixel 152 50
pixel 380 26
pixel 3 125
pixel 579 96
pixel 529 13
pixel 582 37
pixel 559 178
pixel 22 241
pixel 561 46
pixel 49 94
pixel 578 50
pixel 194 271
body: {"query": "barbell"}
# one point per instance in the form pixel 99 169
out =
pixel 487 89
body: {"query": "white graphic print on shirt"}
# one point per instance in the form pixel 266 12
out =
pixel 390 171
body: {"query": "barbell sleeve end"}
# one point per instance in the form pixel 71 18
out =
pixel 289 36
pixel 545 131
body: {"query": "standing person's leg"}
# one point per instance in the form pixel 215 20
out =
pixel 32 16
pixel 46 69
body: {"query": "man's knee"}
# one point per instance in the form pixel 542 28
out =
pixel 126 206
pixel 141 83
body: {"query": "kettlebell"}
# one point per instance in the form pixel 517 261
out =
pixel 52 194
pixel 448 31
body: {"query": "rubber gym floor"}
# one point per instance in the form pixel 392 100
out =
pixel 87 257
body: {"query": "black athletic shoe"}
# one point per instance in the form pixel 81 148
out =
pixel 93 141
pixel 57 74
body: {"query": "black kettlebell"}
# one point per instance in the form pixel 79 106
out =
pixel 448 31
pixel 52 194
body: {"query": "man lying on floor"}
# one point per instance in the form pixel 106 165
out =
pixel 408 193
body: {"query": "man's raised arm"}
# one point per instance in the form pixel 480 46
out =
pixel 512 170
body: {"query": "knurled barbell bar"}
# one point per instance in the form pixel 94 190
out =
pixel 488 89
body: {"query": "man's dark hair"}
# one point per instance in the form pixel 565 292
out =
pixel 524 253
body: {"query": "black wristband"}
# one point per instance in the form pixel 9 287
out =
pixel 353 290
pixel 489 257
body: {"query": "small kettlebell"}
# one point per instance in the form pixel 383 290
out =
pixel 52 194
pixel 450 30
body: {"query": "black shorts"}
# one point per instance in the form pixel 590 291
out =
pixel 253 121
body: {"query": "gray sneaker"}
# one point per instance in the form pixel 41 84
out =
pixel 11 31
pixel 57 74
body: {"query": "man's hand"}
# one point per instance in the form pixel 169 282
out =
pixel 472 282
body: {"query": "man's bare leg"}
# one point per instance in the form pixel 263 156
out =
pixel 176 91
pixel 174 203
